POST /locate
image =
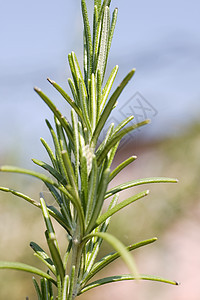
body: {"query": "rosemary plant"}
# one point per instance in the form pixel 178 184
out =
pixel 80 173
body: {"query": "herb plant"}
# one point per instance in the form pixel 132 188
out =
pixel 80 173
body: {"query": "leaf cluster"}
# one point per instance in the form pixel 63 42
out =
pixel 79 172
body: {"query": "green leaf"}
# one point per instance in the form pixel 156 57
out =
pixel 99 200
pixel 61 136
pixel 39 295
pixel 95 27
pixel 106 260
pixel 65 287
pixel 67 98
pixel 107 138
pixel 73 90
pixel 109 106
pixel 132 183
pixel 122 278
pixel 120 167
pixel 28 172
pixel 51 170
pixel 123 124
pixel 45 289
pixel 113 24
pixel 92 189
pixel 108 86
pixel 78 71
pixel 71 286
pixel 25 268
pixel 119 206
pixel 69 169
pixel 77 75
pixel 84 106
pixel 111 154
pixel 50 289
pixel 47 220
pixel 84 182
pixel 67 190
pixel 66 224
pixel 67 253
pixel 88 39
pixel 117 138
pixel 96 44
pixel 118 246
pixel 93 102
pixel 93 246
pixel 112 28
pixel 50 152
pixel 74 85
pixel 18 194
pixel 52 243
pixel 103 43
pixel 58 150
pixel 98 94
pixel 65 210
pixel 58 218
pixel 74 198
pixel 76 144
pixel 54 193
pixel 56 112
pixel 43 256
pixel 92 249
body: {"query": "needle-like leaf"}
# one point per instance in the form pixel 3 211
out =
pixel 67 98
pixel 106 260
pixel 52 242
pixel 109 106
pixel 119 206
pixel 99 200
pixel 51 170
pixel 117 138
pixel 120 167
pixel 132 183
pixel 103 44
pixel 56 112
pixel 108 86
pixel 65 288
pixel 25 268
pixel 112 279
pixel 39 295
pixel 43 256
pixel 118 246
pixel 88 39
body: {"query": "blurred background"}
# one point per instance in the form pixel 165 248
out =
pixel 162 41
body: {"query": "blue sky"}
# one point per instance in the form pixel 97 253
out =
pixel 160 39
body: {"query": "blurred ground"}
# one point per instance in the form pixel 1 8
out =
pixel 171 212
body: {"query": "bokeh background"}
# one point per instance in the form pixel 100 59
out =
pixel 162 41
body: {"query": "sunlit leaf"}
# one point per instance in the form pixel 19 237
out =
pixel 137 182
pixel 113 279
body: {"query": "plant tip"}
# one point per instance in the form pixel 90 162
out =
pixel 51 81
pixel 36 89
